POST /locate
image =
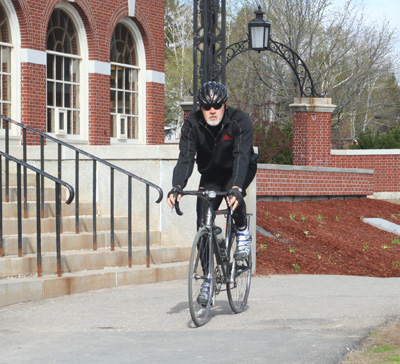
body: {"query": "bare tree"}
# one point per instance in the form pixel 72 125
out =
pixel 178 57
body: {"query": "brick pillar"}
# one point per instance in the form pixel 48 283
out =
pixel 33 99
pixel 312 131
pixel 187 106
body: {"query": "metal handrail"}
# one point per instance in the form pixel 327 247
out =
pixel 95 160
pixel 58 183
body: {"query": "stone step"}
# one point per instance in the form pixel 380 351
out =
pixel 10 209
pixel 13 180
pixel 13 291
pixel 81 241
pixel 74 261
pixel 49 194
pixel 10 225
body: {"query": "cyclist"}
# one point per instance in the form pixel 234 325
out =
pixel 220 139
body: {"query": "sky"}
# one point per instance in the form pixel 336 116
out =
pixel 380 10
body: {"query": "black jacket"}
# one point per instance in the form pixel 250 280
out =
pixel 225 154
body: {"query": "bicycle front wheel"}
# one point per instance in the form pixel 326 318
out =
pixel 238 288
pixel 201 268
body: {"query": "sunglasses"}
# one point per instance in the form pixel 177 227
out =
pixel 215 106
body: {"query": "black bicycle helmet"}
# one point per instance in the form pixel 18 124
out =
pixel 211 93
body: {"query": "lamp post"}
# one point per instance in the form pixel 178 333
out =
pixel 211 56
pixel 259 30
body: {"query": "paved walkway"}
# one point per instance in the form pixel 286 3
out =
pixel 290 319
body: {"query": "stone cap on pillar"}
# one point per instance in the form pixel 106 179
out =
pixel 187 104
pixel 312 104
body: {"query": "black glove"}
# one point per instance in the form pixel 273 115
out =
pixel 175 191
pixel 237 193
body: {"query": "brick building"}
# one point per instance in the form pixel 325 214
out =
pixel 87 71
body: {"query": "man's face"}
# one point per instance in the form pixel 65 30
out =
pixel 214 115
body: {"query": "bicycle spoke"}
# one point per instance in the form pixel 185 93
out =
pixel 200 268
pixel 238 290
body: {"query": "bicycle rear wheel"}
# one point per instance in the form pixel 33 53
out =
pixel 239 288
pixel 201 267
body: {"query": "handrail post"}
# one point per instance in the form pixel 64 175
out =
pixel 24 149
pixel 7 171
pixel 58 227
pixel 76 192
pixel 59 162
pixel 112 208
pixel 38 228
pixel 19 210
pixel 130 221
pixel 94 205
pixel 1 207
pixel 42 176
pixel 147 227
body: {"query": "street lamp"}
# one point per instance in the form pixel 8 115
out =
pixel 259 30
pixel 211 55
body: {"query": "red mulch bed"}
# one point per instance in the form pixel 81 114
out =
pixel 327 237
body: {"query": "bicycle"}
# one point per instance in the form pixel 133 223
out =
pixel 212 259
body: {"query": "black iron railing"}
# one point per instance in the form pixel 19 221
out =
pixel 79 152
pixel 40 175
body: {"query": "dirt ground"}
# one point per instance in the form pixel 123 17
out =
pixel 327 237
pixel 330 237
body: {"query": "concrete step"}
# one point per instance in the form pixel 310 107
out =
pixel 10 225
pixel 10 209
pixel 81 241
pixel 17 290
pixel 49 193
pixel 74 261
pixel 30 177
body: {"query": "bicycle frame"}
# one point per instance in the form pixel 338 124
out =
pixel 208 223
pixel 224 270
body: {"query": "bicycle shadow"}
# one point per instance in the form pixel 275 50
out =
pixel 221 307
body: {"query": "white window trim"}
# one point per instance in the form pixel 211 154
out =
pixel 15 64
pixel 141 61
pixel 83 74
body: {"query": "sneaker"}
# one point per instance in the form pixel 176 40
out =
pixel 243 245
pixel 202 298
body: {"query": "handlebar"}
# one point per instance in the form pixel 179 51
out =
pixel 205 194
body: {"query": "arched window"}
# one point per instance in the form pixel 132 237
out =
pixel 5 62
pixel 125 85
pixel 63 76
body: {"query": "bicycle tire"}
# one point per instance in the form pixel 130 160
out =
pixel 201 247
pixel 238 290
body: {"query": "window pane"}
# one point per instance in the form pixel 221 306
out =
pixel 5 59
pixel 132 128
pixel 67 95
pixel 112 77
pixel 75 97
pixel 6 88
pixel 6 111
pixel 50 93
pixel 59 94
pixel 133 80
pixel 119 78
pixel 113 104
pixel 77 123
pixel 59 67
pixel 134 104
pixel 50 66
pixel 69 122
pixel 120 103
pixel 128 97
pixel 50 120
pixel 67 69
pixel 75 70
